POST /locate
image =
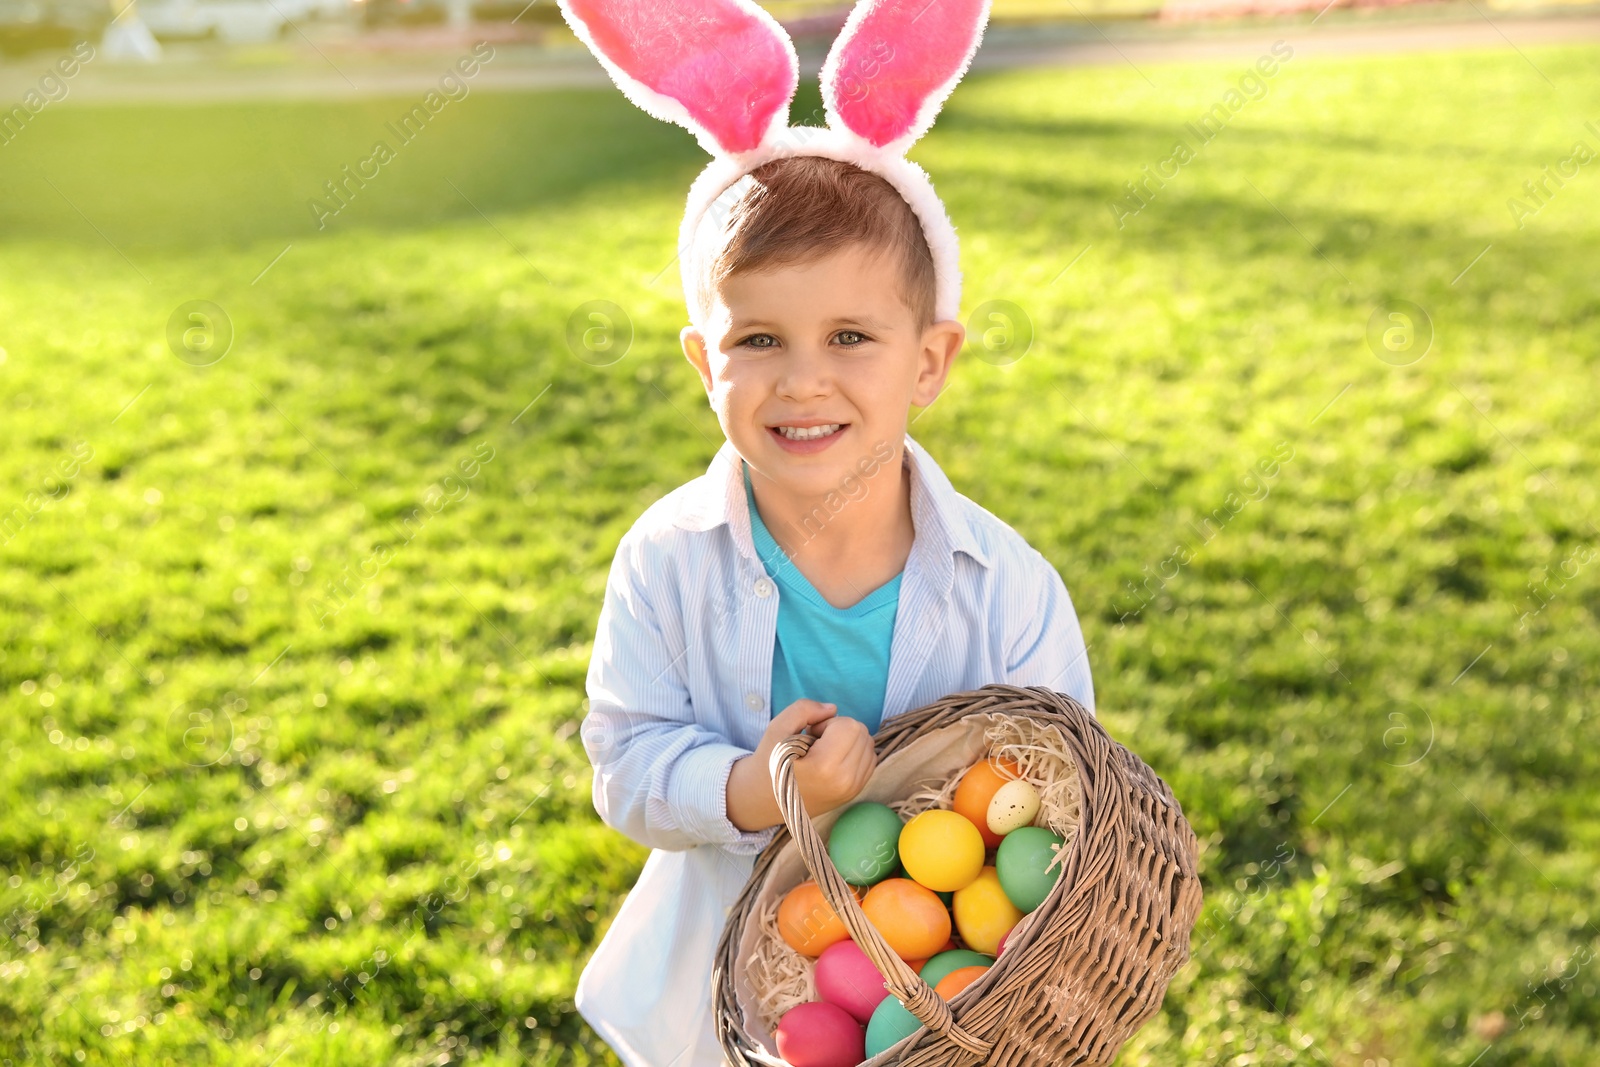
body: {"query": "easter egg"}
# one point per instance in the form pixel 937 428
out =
pixel 862 843
pixel 1001 950
pixel 976 788
pixel 944 894
pixel 959 979
pixel 934 971
pixel 1013 806
pixel 911 917
pixel 941 850
pixel 889 1023
pixel 983 912
pixel 846 977
pixel 807 922
pixel 819 1034
pixel 1021 862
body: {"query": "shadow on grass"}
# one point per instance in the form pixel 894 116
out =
pixel 196 178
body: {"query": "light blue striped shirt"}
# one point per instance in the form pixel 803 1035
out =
pixel 679 687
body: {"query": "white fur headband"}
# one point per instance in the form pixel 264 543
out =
pixel 726 71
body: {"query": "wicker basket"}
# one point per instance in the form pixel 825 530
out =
pixel 1080 973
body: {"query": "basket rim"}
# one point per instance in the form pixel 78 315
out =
pixel 1051 708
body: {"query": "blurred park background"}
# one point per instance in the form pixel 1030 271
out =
pixel 314 462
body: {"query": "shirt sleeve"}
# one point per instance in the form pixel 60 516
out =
pixel 660 775
pixel 1048 648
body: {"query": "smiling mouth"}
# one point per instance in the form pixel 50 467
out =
pixel 808 433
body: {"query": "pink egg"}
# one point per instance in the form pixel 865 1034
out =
pixel 820 1034
pixel 846 977
pixel 1002 946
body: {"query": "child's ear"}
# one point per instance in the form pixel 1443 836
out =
pixel 694 350
pixel 941 342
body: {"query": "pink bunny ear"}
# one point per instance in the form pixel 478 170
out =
pixel 724 69
pixel 895 62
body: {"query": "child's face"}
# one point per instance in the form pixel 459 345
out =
pixel 829 340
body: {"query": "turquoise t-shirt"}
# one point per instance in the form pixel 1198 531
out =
pixel 835 655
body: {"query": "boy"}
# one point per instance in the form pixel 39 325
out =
pixel 822 574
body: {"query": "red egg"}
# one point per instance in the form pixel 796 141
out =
pixel 846 977
pixel 820 1034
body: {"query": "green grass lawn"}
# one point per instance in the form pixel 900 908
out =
pixel 245 819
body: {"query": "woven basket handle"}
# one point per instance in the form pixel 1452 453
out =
pixel 903 983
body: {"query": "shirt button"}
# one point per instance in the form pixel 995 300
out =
pixel 763 587
pixel 752 700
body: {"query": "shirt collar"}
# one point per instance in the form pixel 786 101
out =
pixel 942 526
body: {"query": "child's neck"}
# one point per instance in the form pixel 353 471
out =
pixel 846 553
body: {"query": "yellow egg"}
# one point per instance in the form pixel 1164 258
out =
pixel 983 913
pixel 941 850
pixel 1014 806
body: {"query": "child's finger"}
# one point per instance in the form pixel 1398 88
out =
pixel 802 713
pixel 824 748
pixel 841 745
pixel 818 728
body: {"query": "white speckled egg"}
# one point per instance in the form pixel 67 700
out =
pixel 1014 806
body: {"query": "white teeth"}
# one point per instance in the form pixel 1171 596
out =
pixel 795 433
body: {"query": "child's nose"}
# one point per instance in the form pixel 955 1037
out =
pixel 806 372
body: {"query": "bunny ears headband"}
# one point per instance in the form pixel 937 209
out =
pixel 727 71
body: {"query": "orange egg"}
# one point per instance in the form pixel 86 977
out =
pixel 957 980
pixel 977 788
pixel 807 922
pixel 911 918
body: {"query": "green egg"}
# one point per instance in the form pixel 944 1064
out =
pixel 1021 861
pixel 890 1022
pixel 865 843
pixel 942 964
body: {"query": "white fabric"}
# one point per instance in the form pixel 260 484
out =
pixel 646 990
pixel 679 686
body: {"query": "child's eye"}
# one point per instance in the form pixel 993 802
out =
pixel 759 340
pixel 851 338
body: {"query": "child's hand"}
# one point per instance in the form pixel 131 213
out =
pixel 837 765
